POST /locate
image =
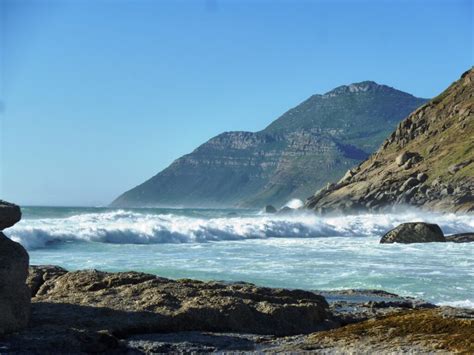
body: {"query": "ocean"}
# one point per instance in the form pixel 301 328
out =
pixel 300 250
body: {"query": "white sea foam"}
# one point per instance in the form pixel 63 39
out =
pixel 462 303
pixel 132 227
pixel 294 203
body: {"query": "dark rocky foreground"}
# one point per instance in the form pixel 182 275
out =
pixel 92 311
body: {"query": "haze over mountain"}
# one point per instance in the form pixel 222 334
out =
pixel 308 146
pixel 428 161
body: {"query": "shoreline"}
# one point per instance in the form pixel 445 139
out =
pixel 132 313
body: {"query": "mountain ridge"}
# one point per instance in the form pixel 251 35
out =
pixel 362 86
pixel 310 144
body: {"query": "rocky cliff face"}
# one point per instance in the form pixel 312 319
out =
pixel 309 145
pixel 428 161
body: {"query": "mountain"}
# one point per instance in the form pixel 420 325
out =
pixel 428 161
pixel 315 142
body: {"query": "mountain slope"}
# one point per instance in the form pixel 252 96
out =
pixel 428 161
pixel 315 142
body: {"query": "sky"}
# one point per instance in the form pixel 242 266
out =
pixel 98 96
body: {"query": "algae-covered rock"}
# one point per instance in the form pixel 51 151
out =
pixel 439 330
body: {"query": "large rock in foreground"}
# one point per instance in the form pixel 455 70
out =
pixel 142 302
pixel 14 294
pixel 414 233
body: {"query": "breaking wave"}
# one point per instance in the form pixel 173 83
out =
pixel 135 227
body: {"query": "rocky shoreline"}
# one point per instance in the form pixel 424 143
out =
pixel 90 311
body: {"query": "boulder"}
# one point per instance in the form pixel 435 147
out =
pixel 145 302
pixel 404 157
pixel 270 209
pixel 448 190
pixel 461 238
pixel 14 294
pixel 417 232
pixel 9 214
pixel 409 183
pixel 422 177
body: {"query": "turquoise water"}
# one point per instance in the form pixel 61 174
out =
pixel 295 251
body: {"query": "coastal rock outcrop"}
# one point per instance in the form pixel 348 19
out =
pixel 39 274
pixel 416 232
pixel 149 302
pixel 441 330
pixel 427 162
pixel 134 313
pixel 14 294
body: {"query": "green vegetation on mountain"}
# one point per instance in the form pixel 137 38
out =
pixel 428 161
pixel 311 144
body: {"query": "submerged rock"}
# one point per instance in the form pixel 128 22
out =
pixel 417 232
pixel 461 238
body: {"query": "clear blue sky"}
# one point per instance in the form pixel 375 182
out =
pixel 98 96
